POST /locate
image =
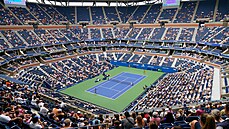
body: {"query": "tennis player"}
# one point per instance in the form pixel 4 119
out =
pixel 95 91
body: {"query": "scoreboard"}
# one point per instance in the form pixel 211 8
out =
pixel 171 3
pixel 13 3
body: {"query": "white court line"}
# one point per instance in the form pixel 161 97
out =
pixel 128 87
pixel 119 75
pixel 107 81
pixel 118 83
pixel 110 89
pixel 100 85
pixel 133 73
pixel 100 95
pixel 131 77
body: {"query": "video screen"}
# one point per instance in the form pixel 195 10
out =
pixel 15 2
pixel 171 3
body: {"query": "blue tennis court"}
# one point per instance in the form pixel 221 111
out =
pixel 116 86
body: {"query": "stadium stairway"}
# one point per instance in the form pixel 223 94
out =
pixel 128 34
pixel 5 40
pixel 139 61
pixel 150 35
pixel 39 68
pixel 101 33
pixel 123 55
pixel 226 51
pixel 105 54
pixel 6 8
pixel 104 14
pixel 164 34
pixel 115 58
pixel 31 13
pixel 59 12
pixel 113 33
pixel 145 13
pixel 75 63
pixel 139 33
pixel 216 88
pixel 24 41
pixel 90 15
pixel 46 13
pixel 215 10
pixel 120 19
pixel 130 18
pixel 151 60
pixel 175 15
pixel 174 63
pixel 158 16
pixel 97 57
pixel 194 14
pixel 225 40
pixel 130 58
pixel 179 33
pixel 194 35
pixel 162 61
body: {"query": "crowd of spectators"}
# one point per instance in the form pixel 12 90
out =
pixel 107 33
pixel 206 9
pixel 22 14
pixel 168 14
pixel 17 38
pixel 185 14
pixel 40 14
pixel 152 14
pixel 57 34
pixel 64 73
pixel 23 107
pixel 53 13
pixel 13 38
pixel 171 33
pixel 186 34
pixel 134 33
pixel 7 17
pixel 187 87
pixel 145 34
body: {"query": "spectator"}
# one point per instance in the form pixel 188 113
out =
pixel 163 113
pixel 116 121
pixel 168 118
pixel 36 123
pixel 127 122
pixel 107 120
pixel 207 121
pixel 67 124
pixel 217 115
pixel 180 115
pixel 140 123
pixel 44 110
pixel 224 124
pixel 4 116
pixel 153 125
pixel 155 119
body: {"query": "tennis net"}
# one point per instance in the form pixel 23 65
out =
pixel 121 81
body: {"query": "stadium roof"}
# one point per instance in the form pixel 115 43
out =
pixel 123 1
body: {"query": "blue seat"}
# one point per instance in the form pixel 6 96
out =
pixel 186 126
pixel 165 125
pixel 191 118
pixel 177 123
